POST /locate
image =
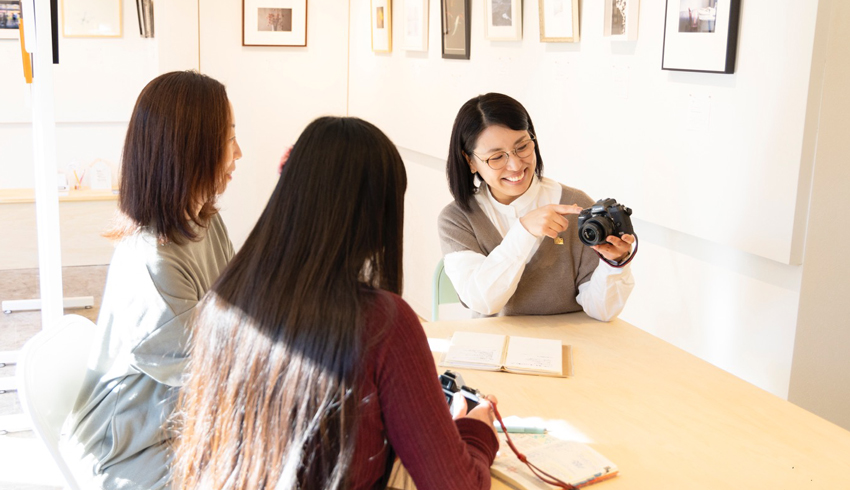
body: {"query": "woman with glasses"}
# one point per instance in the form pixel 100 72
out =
pixel 509 237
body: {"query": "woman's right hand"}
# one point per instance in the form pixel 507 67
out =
pixel 484 411
pixel 549 220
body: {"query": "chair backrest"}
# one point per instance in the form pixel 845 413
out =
pixel 444 291
pixel 50 372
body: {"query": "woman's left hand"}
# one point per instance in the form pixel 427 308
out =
pixel 617 249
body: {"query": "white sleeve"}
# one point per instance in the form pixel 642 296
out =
pixel 486 283
pixel 604 296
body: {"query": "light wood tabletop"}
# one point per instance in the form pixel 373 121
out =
pixel 668 419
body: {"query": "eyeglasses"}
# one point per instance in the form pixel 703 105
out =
pixel 498 160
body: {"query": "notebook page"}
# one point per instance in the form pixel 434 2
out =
pixel 534 355
pixel 473 349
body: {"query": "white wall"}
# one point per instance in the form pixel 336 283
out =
pixel 717 207
pixel 96 84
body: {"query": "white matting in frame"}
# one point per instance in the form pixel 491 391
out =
pixel 382 25
pixel 559 21
pixel 415 27
pixel 274 22
pixel 91 18
pixel 621 19
pixel 701 35
pixel 503 20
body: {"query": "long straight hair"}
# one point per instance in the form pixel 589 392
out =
pixel 476 115
pixel 272 395
pixel 173 163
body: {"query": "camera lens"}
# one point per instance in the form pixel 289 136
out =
pixel 595 230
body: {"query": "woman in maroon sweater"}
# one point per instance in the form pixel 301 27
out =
pixel 307 369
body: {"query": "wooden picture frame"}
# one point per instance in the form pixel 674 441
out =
pixel 503 20
pixel 701 35
pixel 559 21
pixel 382 25
pixel 415 25
pixel 92 18
pixel 455 28
pixel 10 18
pixel 621 19
pixel 274 23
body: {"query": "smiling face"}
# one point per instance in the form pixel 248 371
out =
pixel 232 152
pixel 512 180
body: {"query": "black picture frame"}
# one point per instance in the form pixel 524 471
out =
pixel 454 15
pixel 697 42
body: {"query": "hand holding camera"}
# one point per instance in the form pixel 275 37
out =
pixel 607 228
pixel 465 401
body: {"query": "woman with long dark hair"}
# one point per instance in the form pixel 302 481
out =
pixel 171 244
pixel 507 239
pixel 307 369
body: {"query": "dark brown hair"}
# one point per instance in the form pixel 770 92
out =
pixel 173 164
pixel 272 396
pixel 476 115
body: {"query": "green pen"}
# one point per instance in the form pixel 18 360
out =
pixel 520 429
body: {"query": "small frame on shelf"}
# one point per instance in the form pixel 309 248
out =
pixel 10 18
pixel 274 23
pixel 92 18
pixel 382 26
pixel 503 20
pixel 455 23
pixel 701 35
pixel 559 21
pixel 621 19
pixel 415 25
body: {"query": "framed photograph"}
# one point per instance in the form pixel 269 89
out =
pixel 503 20
pixel 621 19
pixel 382 26
pixel 415 25
pixel 10 18
pixel 274 22
pixel 144 10
pixel 92 18
pixel 559 21
pixel 454 20
pixel 701 35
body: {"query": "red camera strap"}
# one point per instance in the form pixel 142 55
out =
pixel 631 256
pixel 542 475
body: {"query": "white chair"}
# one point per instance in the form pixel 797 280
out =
pixel 50 373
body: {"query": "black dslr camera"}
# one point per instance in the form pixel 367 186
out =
pixel 452 383
pixel 603 219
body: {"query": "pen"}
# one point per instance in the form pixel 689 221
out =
pixel 521 429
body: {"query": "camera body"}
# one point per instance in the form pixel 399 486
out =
pixel 452 383
pixel 603 219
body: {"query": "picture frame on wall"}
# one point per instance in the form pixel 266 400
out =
pixel 382 26
pixel 503 20
pixel 274 23
pixel 415 25
pixel 10 19
pixel 621 19
pixel 455 24
pixel 559 21
pixel 92 18
pixel 701 35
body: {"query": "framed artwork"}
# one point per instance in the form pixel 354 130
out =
pixel 559 21
pixel 10 18
pixel 621 19
pixel 415 25
pixel 92 18
pixel 701 35
pixel 455 23
pixel 382 26
pixel 503 20
pixel 274 22
pixel 144 10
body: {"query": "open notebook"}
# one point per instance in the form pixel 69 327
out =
pixel 522 355
pixel 571 462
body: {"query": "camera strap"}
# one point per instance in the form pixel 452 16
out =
pixel 542 475
pixel 629 259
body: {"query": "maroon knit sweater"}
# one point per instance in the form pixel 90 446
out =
pixel 404 409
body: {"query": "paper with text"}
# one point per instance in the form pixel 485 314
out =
pixel 476 349
pixel 527 354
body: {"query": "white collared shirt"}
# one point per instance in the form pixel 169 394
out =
pixel 486 283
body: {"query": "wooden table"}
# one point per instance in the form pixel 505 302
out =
pixel 669 420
